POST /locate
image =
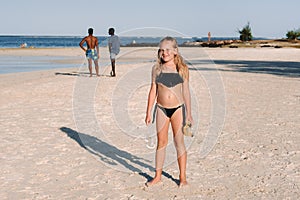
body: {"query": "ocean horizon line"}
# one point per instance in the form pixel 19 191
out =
pixel 126 36
pixel 53 41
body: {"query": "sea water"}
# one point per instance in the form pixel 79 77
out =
pixel 13 64
pixel 15 41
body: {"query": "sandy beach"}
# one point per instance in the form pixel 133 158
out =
pixel 67 136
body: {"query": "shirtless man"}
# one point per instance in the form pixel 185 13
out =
pixel 91 53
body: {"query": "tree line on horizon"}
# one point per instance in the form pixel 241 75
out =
pixel 246 33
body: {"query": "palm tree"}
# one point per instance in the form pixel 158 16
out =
pixel 245 33
pixel 293 35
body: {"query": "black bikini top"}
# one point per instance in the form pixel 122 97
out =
pixel 169 79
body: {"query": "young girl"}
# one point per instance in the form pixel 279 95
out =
pixel 170 91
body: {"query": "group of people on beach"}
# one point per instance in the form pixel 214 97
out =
pixel 169 97
pixel 92 50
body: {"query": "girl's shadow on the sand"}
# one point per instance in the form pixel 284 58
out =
pixel 112 155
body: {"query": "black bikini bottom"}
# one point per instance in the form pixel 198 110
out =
pixel 169 112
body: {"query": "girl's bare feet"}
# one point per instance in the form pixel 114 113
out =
pixel 153 182
pixel 183 183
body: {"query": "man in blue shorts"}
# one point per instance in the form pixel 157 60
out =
pixel 92 50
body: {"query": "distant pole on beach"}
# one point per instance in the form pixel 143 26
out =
pixel 208 34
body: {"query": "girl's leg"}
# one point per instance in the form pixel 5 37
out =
pixel 162 127
pixel 176 122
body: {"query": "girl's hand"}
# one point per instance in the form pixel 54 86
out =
pixel 148 119
pixel 189 119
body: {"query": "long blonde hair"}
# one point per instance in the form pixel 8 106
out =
pixel 181 67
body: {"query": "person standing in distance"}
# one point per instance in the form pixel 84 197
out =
pixel 92 50
pixel 114 49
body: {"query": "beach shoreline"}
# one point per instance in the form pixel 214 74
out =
pixel 62 138
pixel 21 59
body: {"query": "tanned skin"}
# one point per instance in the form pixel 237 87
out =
pixel 92 43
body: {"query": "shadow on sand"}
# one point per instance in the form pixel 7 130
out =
pixel 279 68
pixel 111 155
pixel 78 74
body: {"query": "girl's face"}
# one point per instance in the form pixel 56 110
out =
pixel 167 51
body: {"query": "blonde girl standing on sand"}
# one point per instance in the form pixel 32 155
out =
pixel 171 94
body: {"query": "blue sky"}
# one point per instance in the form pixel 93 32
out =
pixel 268 18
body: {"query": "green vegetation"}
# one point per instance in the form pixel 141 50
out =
pixel 293 35
pixel 245 33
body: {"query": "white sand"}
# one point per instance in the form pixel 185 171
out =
pixel 247 128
